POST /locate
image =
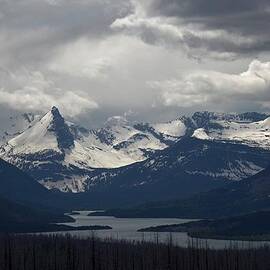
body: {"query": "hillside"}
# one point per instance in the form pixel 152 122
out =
pixel 188 167
pixel 19 213
pixel 20 218
pixel 254 226
pixel 234 199
pixel 16 185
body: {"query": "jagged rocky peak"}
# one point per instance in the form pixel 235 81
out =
pixel 48 133
pixel 56 112
pixel 213 120
pixel 57 119
pixel 58 125
pixel 253 116
pixel 203 118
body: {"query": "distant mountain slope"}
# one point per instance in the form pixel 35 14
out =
pixel 237 198
pixel 187 167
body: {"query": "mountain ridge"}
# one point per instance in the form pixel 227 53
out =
pixel 65 156
pixel 69 153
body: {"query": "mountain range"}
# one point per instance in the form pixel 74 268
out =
pixel 62 155
pixel 136 162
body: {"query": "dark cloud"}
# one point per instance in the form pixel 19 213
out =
pixel 207 8
pixel 32 30
pixel 98 56
pixel 249 18
pixel 222 28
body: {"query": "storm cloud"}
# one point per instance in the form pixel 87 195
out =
pixel 155 58
pixel 221 29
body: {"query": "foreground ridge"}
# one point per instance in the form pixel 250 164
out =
pixel 65 252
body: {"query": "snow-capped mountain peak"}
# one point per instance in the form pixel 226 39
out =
pixel 203 118
pixel 49 133
pixel 252 129
pixel 175 128
pixel 36 138
pixel 201 134
pixel 63 155
pixel 68 157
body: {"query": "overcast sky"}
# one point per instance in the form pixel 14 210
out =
pixel 146 59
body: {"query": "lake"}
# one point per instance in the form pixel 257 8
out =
pixel 126 228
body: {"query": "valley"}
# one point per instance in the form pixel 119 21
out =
pixel 204 166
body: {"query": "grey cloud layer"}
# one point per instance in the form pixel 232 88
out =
pixel 97 57
pixel 33 33
pixel 31 30
pixel 222 29
pixel 202 8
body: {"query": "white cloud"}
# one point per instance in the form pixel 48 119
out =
pixel 33 92
pixel 83 58
pixel 216 89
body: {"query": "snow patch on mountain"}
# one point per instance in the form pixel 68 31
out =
pixel 174 128
pixel 201 134
pixel 37 138
pixel 255 134
pixel 95 157
pixel 74 184
pixel 119 143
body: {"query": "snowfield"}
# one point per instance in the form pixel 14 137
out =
pixel 249 133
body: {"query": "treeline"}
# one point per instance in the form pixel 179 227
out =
pixel 25 252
